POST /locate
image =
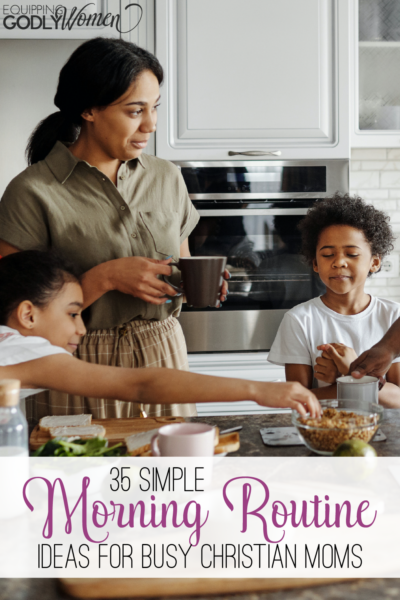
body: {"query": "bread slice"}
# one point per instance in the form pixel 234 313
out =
pixel 85 433
pixel 64 421
pixel 138 443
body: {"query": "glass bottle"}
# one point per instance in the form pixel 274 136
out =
pixel 13 424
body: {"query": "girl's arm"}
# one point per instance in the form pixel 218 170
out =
pixel 389 396
pixel 154 385
pixel 304 374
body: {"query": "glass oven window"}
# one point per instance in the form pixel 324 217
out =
pixel 268 179
pixel 268 271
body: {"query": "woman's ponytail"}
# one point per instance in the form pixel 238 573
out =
pixel 56 126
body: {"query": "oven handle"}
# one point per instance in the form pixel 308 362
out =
pixel 255 153
pixel 248 212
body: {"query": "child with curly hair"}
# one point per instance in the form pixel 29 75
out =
pixel 344 240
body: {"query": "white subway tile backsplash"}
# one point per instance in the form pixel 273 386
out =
pixel 396 228
pixel 390 292
pixel 387 205
pixel 369 194
pixel 379 165
pixel 393 154
pixel 380 292
pixel 362 180
pixel 389 179
pixel 369 154
pixel 375 176
pixel 377 281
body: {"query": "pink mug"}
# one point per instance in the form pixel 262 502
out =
pixel 184 439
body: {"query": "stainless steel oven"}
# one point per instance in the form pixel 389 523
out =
pixel 249 212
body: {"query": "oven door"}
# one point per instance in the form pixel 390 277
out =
pixel 269 276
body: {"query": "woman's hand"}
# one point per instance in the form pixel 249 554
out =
pixel 341 355
pixel 287 395
pixel 138 277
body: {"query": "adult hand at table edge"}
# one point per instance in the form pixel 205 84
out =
pixel 375 362
pixel 288 395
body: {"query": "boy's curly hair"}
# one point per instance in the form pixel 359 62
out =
pixel 346 210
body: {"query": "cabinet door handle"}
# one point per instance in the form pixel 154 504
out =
pixel 256 153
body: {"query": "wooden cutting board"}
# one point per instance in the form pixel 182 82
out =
pixel 116 429
pixel 133 588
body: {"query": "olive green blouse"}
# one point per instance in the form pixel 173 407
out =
pixel 64 203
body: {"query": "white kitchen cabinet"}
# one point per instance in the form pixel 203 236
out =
pixel 375 66
pixel 141 12
pixel 252 366
pixel 262 76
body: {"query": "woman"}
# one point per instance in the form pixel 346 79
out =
pixel 117 214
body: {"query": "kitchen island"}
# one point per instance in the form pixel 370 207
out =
pixel 252 445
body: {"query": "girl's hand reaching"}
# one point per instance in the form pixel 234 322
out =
pixel 286 395
pixel 342 356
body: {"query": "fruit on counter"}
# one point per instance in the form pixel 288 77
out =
pixel 355 447
pixel 78 447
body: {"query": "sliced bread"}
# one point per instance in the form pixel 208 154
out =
pixel 137 443
pixel 91 431
pixel 64 421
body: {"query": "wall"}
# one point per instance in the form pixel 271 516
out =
pixel 28 73
pixel 375 176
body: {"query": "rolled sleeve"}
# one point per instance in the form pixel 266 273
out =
pixel 22 222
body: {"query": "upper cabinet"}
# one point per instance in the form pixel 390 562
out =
pixel 137 23
pixel 375 45
pixel 262 78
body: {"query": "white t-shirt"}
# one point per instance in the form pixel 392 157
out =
pixel 16 348
pixel 311 324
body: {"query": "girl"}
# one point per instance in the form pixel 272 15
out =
pixel 41 302
pixel 116 213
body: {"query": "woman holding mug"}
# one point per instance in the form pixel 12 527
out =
pixel 118 214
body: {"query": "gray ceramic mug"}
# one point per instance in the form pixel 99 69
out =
pixel 202 279
pixel 364 389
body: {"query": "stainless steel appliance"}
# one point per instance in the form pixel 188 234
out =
pixel 249 212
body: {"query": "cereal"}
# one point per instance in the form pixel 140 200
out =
pixel 335 427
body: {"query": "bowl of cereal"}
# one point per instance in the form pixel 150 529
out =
pixel 341 420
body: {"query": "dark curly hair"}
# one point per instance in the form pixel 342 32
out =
pixel 346 210
pixel 32 275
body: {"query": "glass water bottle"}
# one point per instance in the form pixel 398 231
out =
pixel 13 424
